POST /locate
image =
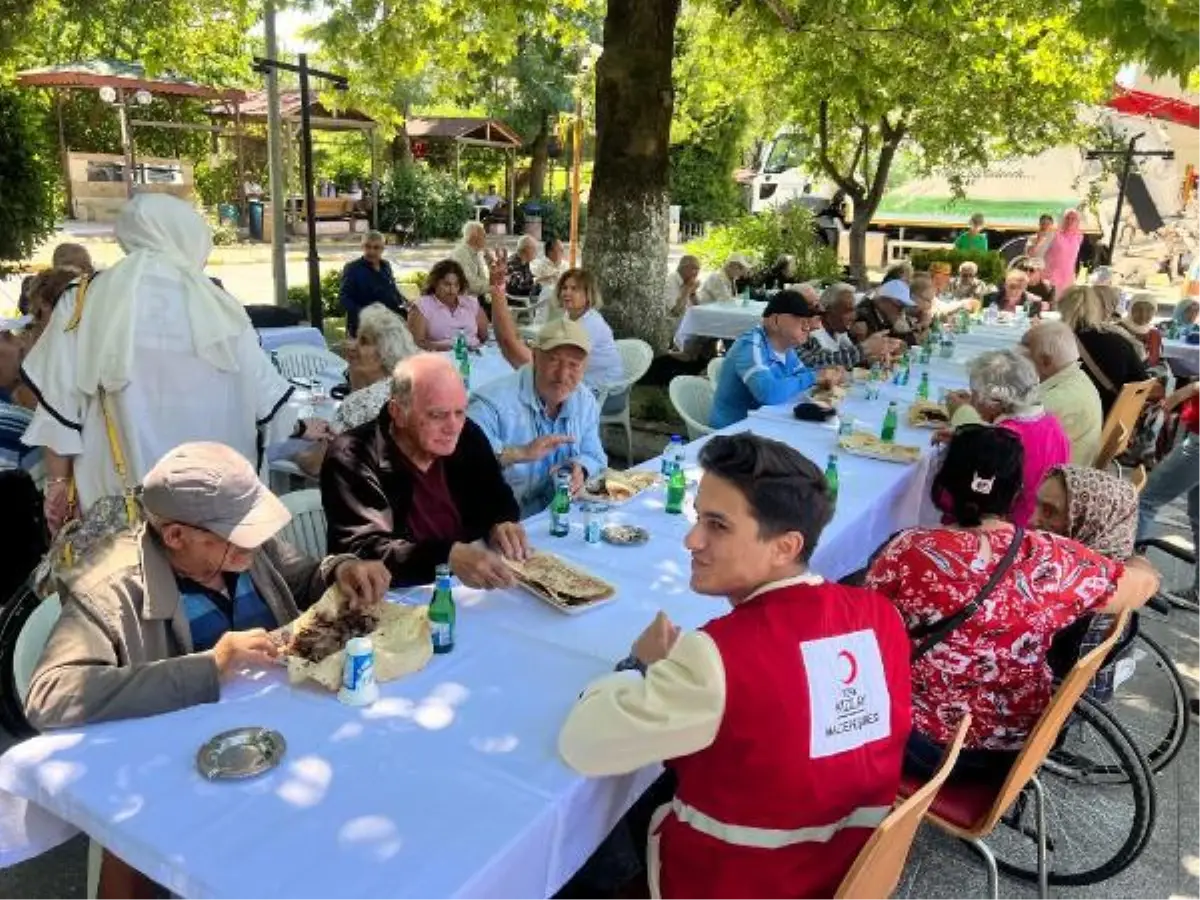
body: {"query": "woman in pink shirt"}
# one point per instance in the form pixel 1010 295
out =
pixel 444 310
pixel 1062 254
pixel 1004 392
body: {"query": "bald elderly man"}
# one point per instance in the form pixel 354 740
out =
pixel 1067 391
pixel 420 486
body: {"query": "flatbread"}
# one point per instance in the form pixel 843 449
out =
pixel 621 486
pixel 559 582
pixel 398 632
pixel 831 396
pixel 927 414
pixel 868 445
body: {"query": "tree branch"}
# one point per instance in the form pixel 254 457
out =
pixel 883 166
pixel 847 184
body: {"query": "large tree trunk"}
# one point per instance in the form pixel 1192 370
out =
pixel 627 212
pixel 858 245
pixel 539 149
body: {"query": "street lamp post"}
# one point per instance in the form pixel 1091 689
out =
pixel 316 313
pixel 1127 156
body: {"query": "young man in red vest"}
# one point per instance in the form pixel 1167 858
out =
pixel 783 720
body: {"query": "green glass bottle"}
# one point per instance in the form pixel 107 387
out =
pixel 676 490
pixel 560 506
pixel 923 387
pixel 831 476
pixel 462 357
pixel 442 612
pixel 890 421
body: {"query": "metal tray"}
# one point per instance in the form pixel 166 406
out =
pixel 240 753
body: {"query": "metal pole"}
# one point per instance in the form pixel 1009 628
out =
pixel 275 162
pixel 374 182
pixel 576 153
pixel 65 156
pixel 316 312
pixel 512 190
pixel 126 141
pixel 1116 226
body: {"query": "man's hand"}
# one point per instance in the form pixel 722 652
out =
pixel 363 583
pixel 578 476
pixel 478 567
pixel 831 377
pixel 876 346
pixel 956 400
pixel 511 540
pixel 543 446
pixel 1181 396
pixel 656 641
pixel 498 271
pixel 243 648
pixel 942 436
pixel 316 429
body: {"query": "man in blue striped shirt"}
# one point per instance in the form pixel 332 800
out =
pixel 763 368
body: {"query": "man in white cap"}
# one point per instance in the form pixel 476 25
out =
pixel 722 284
pixel 542 418
pixel 885 311
pixel 169 610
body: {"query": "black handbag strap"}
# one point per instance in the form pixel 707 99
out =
pixel 930 637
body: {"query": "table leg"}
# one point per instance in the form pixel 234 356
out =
pixel 119 879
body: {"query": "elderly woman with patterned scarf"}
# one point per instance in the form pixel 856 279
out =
pixel 149 354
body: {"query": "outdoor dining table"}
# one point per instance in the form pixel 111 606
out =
pixel 724 320
pixel 1183 357
pixel 450 784
pixel 274 338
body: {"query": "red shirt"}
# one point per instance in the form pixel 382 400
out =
pixel 994 665
pixel 432 515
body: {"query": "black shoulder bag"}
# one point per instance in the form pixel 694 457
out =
pixel 929 637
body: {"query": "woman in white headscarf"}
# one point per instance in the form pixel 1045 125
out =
pixel 174 355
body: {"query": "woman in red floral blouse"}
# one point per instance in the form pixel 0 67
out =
pixel 994 664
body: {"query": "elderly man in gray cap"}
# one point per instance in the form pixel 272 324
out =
pixel 169 610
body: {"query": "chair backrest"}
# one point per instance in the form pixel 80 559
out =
pixel 305 361
pixel 692 397
pixel 636 358
pixel 1121 423
pixel 880 863
pixel 714 368
pixel 1041 739
pixel 31 640
pixel 307 530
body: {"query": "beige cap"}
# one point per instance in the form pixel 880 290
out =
pixel 740 260
pixel 214 487
pixel 563 332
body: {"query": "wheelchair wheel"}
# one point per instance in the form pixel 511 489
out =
pixel 1095 827
pixel 1152 704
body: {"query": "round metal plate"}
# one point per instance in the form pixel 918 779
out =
pixel 624 535
pixel 240 753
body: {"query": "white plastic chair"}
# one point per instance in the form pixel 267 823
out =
pixel 714 368
pixel 636 357
pixel 307 530
pixel 692 397
pixel 305 361
pixel 30 642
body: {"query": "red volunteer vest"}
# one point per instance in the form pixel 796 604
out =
pixel 807 758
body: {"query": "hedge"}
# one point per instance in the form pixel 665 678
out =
pixel 992 265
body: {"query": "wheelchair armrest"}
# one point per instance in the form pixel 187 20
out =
pixel 1169 547
pixel 1159 604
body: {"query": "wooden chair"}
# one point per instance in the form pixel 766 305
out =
pixel 1121 424
pixel 971 810
pixel 880 863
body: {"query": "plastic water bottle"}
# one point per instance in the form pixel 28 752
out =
pixel 672 456
pixel 991 314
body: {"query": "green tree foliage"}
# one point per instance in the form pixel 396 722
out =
pixel 1162 34
pixel 26 179
pixel 426 197
pixel 767 236
pixel 702 169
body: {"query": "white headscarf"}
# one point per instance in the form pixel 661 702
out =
pixel 155 228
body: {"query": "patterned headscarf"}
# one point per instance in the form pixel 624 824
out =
pixel 1101 510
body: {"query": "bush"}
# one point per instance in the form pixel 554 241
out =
pixel 556 217
pixel 992 266
pixel 27 179
pixel 702 170
pixel 432 199
pixel 765 237
pixel 331 306
pixel 217 184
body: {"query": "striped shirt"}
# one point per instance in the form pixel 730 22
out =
pixel 823 349
pixel 211 614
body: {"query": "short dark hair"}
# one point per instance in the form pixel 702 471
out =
pixel 785 491
pixel 982 474
pixel 440 270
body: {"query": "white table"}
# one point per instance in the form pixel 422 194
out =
pixel 486 366
pixel 719 320
pixel 450 785
pixel 274 338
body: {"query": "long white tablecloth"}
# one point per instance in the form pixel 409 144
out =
pixel 274 338
pixel 719 320
pixel 450 785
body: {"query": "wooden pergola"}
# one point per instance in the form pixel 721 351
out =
pixel 124 82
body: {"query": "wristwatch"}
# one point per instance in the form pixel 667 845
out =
pixel 631 664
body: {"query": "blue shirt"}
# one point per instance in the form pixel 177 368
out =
pixel 14 453
pixel 211 614
pixel 363 285
pixel 511 414
pixel 756 374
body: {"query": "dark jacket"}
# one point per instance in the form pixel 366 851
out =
pixel 869 314
pixel 362 285
pixel 1118 362
pixel 366 490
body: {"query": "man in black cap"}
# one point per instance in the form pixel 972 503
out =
pixel 762 366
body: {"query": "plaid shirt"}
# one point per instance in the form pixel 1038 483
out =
pixel 823 349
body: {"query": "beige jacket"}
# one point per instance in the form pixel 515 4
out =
pixel 122 647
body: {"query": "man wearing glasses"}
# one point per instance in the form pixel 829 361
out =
pixel 157 620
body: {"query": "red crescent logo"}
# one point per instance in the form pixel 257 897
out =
pixel 849 679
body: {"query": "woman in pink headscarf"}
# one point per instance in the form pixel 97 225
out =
pixel 1063 252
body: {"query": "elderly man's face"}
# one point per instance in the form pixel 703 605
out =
pixel 373 252
pixel 794 329
pixel 689 271
pixel 527 253
pixel 840 316
pixel 436 415
pixel 557 373
pixel 477 240
pixel 199 554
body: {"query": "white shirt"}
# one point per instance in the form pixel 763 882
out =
pixel 604 364
pixel 716 288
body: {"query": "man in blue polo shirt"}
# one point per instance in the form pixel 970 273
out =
pixel 368 280
pixel 762 367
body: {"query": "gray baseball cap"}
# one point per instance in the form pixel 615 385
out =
pixel 214 487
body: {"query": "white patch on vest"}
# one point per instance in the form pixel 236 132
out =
pixel 847 693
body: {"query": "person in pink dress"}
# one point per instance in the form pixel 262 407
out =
pixel 1063 252
pixel 445 309
pixel 1004 393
